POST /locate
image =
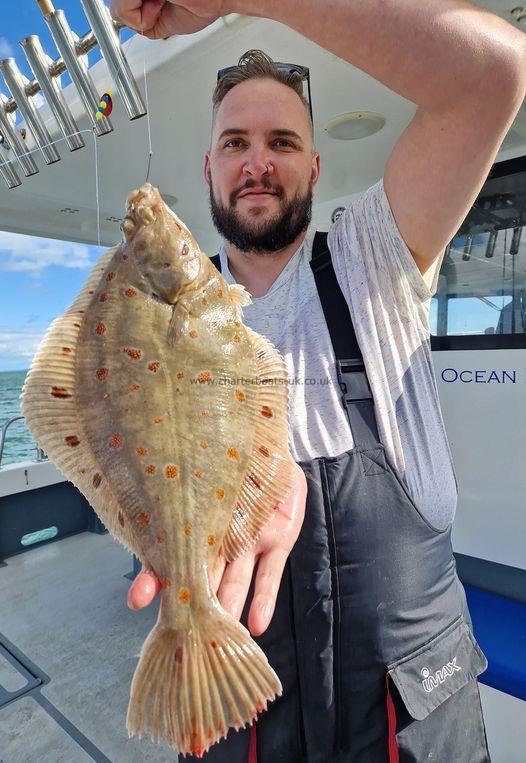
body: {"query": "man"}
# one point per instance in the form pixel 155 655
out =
pixel 366 608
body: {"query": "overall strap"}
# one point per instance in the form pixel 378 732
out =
pixel 216 260
pixel 350 368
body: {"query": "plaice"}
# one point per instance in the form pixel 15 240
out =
pixel 171 417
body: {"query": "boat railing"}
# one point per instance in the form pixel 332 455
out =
pixel 41 456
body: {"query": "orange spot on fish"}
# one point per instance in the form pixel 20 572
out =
pixel 264 450
pixel 233 453
pixel 211 540
pixel 240 395
pixel 179 655
pixel 177 389
pixel 66 350
pixel 187 529
pixel 198 473
pixel 60 392
pixel 206 415
pixel 193 334
pixel 97 479
pixel 237 324
pixel 133 353
pixel 236 338
pixel 266 412
pixel 213 644
pixel 143 518
pixel 133 387
pixel 220 493
pixel 150 469
pixel 171 471
pixel 158 421
pixel 254 481
pixel 103 297
pixel 120 518
pixel 184 595
pixel 180 374
pixel 204 376
pixel 160 538
pixel 116 441
pixel 204 301
pixel 130 293
pixel 72 440
pixel 166 583
pixel 100 328
pixel 102 373
pixel 220 292
pixel 154 366
pixel 203 445
pixel 110 276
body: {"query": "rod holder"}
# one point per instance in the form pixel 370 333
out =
pixel 103 27
pixel 65 42
pixel 15 82
pixel 7 171
pixel 41 66
pixel 9 131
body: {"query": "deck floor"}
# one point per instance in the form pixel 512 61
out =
pixel 63 612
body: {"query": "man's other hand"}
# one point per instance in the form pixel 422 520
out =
pixel 158 19
pixel 231 582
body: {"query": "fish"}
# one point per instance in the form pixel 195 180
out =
pixel 170 415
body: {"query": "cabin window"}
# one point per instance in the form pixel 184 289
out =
pixel 481 290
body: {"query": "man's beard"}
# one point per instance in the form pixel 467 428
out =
pixel 271 236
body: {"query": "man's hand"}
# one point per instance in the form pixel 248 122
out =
pixel 157 19
pixel 231 582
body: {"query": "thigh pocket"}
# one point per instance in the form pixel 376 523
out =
pixel 429 675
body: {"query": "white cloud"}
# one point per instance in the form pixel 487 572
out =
pixel 6 49
pixel 31 254
pixel 19 343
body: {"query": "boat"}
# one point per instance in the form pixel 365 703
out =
pixel 68 642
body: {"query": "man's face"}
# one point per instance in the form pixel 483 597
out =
pixel 261 169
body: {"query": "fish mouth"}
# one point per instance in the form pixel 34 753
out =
pixel 142 204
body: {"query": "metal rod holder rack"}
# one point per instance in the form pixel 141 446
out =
pixel 104 32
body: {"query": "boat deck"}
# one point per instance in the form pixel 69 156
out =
pixel 64 617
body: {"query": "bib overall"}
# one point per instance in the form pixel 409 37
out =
pixel 371 637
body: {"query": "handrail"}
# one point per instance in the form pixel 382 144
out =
pixel 41 456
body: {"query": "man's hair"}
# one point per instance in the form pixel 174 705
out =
pixel 255 64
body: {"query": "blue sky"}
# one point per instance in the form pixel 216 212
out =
pixel 39 277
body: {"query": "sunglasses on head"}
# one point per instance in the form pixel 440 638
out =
pixel 302 72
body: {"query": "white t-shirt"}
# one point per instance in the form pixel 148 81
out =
pixel 389 303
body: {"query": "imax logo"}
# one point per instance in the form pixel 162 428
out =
pixel 431 682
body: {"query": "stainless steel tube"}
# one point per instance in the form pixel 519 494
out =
pixel 7 171
pixel 103 26
pixel 41 64
pixel 15 83
pixel 9 131
pixel 65 42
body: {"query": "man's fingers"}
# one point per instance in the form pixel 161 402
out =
pixel 137 15
pixel 268 578
pixel 143 590
pixel 235 583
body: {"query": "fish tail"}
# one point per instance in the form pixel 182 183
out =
pixel 191 687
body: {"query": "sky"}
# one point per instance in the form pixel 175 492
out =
pixel 39 277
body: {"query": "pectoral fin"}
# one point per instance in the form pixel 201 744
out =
pixel 178 323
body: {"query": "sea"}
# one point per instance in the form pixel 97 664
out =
pixel 18 445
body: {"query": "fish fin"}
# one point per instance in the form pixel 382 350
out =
pixel 240 297
pixel 178 323
pixel 49 406
pixel 270 469
pixel 191 686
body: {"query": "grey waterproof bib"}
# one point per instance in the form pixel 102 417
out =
pixel 371 637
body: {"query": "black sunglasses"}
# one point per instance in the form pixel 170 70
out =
pixel 301 71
